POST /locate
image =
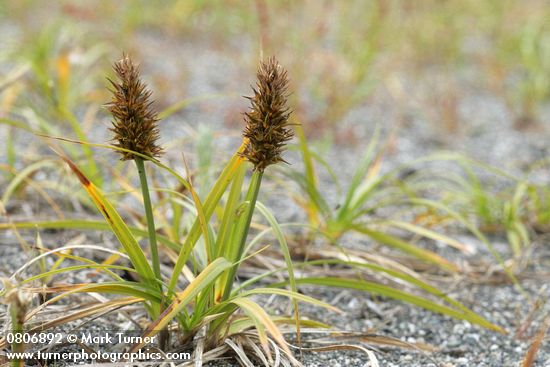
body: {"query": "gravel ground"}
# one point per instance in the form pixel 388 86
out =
pixel 487 135
pixel 458 343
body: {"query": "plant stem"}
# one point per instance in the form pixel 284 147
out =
pixel 210 203
pixel 149 216
pixel 163 335
pixel 242 231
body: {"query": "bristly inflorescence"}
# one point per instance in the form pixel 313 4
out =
pixel 267 127
pixel 134 120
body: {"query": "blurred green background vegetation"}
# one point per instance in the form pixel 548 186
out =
pixel 337 52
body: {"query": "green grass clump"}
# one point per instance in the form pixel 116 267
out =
pixel 367 192
pixel 208 301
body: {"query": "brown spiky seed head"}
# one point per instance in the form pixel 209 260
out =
pixel 134 120
pixel 267 127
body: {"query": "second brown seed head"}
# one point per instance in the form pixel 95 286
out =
pixel 267 128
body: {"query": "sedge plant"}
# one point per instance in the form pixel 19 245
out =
pixel 266 132
pixel 135 129
pixel 199 297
